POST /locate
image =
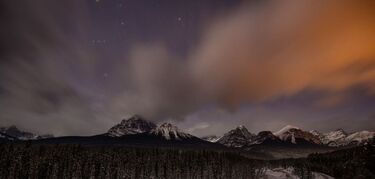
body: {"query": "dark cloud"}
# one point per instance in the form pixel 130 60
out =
pixel 37 57
pixel 56 78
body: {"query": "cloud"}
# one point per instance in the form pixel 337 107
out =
pixel 161 86
pixel 282 48
pixel 261 52
pixel 41 69
pixel 199 126
pixel 52 81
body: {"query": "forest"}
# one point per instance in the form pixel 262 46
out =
pixel 357 162
pixel 75 161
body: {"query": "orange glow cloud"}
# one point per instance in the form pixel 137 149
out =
pixel 284 47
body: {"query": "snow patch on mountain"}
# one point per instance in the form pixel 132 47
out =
pixel 288 173
pixel 284 130
pixel 211 138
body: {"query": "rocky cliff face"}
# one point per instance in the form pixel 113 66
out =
pixel 170 132
pixel 133 125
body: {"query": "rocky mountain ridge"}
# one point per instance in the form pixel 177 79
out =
pixel 240 137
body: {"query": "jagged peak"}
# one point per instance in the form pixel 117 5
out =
pixel 241 127
pixel 236 137
pixel 169 131
pixel 168 126
pixel 135 117
pixel 132 125
pixel 336 134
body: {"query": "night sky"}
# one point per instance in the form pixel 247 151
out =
pixel 78 67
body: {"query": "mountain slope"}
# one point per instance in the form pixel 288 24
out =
pixel 265 137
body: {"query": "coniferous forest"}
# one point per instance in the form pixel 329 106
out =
pixel 75 161
pixel 357 162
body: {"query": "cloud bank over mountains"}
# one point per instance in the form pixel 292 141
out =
pixel 252 54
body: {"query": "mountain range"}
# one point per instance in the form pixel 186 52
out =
pixel 240 137
pixel 289 141
pixel 13 133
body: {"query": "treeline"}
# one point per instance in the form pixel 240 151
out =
pixel 358 162
pixel 23 160
pixel 74 161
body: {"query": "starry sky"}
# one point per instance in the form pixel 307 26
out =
pixel 77 67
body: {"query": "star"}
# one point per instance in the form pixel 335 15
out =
pixel 179 19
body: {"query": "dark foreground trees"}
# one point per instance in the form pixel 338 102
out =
pixel 357 162
pixel 22 160
pixel 73 161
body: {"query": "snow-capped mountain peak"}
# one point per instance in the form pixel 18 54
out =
pixel 293 134
pixel 334 138
pixel 241 127
pixel 339 137
pixel 133 125
pixel 169 132
pixel 237 137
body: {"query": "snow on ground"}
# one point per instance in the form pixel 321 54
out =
pixel 287 173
